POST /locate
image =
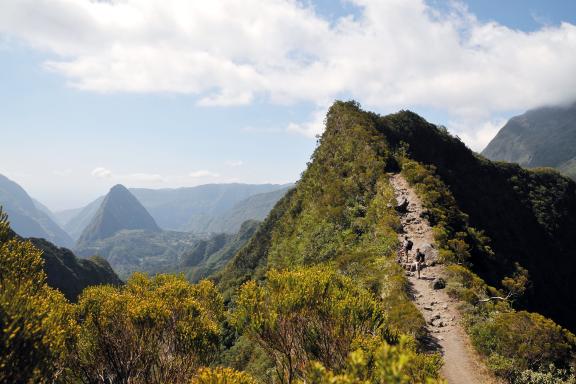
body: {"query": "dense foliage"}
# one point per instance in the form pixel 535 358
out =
pixel 152 330
pixel 517 345
pixel 529 216
pixel 35 320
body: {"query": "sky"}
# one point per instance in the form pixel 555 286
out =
pixel 171 93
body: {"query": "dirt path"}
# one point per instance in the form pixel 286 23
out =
pixel 446 335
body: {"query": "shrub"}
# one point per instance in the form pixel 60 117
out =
pixel 221 375
pixel 305 315
pixel 385 364
pixel 35 320
pixel 153 330
pixel 525 340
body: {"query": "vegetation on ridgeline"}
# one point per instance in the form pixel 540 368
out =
pixel 316 294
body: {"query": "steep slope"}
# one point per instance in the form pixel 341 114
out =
pixel 543 137
pixel 25 217
pixel 208 256
pixel 255 207
pixel 192 209
pixel 70 274
pixel 529 217
pixel 76 220
pixel 509 225
pixel 119 210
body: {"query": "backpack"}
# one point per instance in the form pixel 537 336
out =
pixel 409 245
pixel 420 257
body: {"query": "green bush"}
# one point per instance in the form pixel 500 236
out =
pixel 517 341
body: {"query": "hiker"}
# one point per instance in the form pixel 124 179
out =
pixel 407 246
pixel 420 258
pixel 402 208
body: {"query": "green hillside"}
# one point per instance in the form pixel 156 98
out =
pixel 66 272
pixel 130 251
pixel 70 274
pixel 496 220
pixel 529 216
pixel 210 255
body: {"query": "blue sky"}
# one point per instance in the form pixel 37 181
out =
pixel 91 95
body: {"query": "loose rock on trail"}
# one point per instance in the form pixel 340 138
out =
pixel 445 333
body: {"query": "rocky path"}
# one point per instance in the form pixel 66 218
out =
pixel 445 333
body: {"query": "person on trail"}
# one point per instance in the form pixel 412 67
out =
pixel 420 258
pixel 402 208
pixel 407 246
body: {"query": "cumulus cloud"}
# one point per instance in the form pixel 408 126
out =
pixel 101 173
pixel 311 128
pixel 393 54
pixel 135 178
pixel 203 173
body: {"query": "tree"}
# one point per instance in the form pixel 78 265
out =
pixel 153 330
pixel 35 320
pixel 221 375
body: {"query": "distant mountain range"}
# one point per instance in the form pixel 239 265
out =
pixel 29 218
pixel 121 231
pixel 211 208
pixel 543 137
pixel 126 235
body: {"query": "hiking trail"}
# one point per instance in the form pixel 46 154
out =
pixel 446 335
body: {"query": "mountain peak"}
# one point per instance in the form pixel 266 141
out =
pixel 119 188
pixel 119 210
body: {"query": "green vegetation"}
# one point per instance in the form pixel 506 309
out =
pixel 152 330
pixel 517 345
pixel 34 318
pixel 316 314
pixel 129 251
pixel 70 274
pixel 210 255
pixel 316 295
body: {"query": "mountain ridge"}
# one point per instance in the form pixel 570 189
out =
pixel 541 137
pixel 27 217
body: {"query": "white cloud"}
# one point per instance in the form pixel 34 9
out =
pixel 477 134
pixel 203 173
pixel 133 178
pixel 395 54
pixel 101 173
pixel 234 163
pixel 312 128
